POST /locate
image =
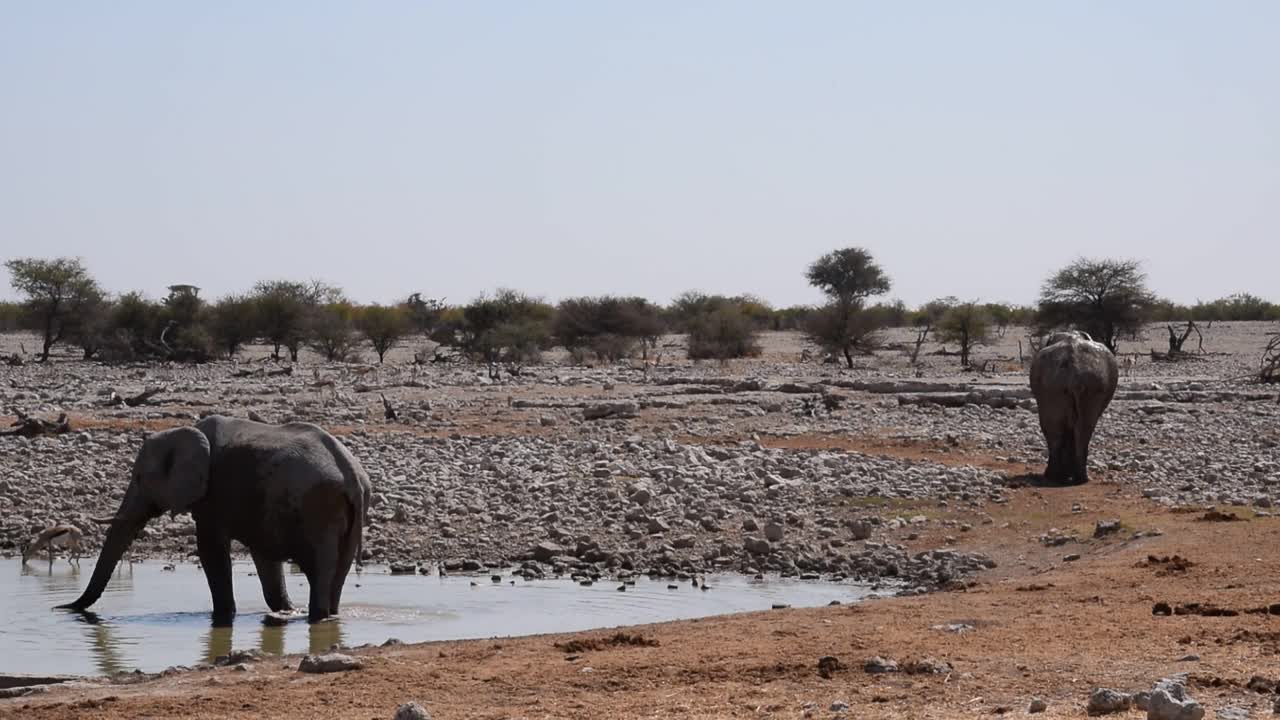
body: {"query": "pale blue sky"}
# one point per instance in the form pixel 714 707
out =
pixel 642 148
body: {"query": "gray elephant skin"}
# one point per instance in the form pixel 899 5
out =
pixel 1073 380
pixel 286 492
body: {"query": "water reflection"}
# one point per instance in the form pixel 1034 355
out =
pixel 220 641
pixel 162 619
pixel 271 641
pixel 217 642
pixel 324 635
pixel 104 646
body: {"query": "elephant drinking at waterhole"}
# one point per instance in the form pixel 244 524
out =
pixel 286 492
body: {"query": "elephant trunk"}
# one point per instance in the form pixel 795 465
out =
pixel 125 526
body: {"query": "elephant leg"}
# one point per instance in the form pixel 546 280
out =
pixel 214 551
pixel 274 591
pixel 1086 422
pixel 1056 430
pixel 346 555
pixel 320 575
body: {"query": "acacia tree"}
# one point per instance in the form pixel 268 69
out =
pixel 847 277
pixel 91 326
pixel 284 307
pixel 925 320
pixel 331 330
pixel 966 324
pixel 233 321
pixel 383 326
pixel 1104 298
pixel 56 290
pixel 507 325
pixel 608 326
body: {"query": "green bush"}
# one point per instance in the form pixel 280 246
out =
pixel 722 331
pixel 509 326
pixel 383 326
pixel 607 327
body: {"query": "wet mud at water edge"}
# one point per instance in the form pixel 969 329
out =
pixel 151 618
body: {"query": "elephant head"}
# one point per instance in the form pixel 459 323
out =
pixel 170 473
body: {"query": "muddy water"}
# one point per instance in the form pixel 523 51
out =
pixel 150 618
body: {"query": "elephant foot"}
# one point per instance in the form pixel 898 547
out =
pixel 321 618
pixel 277 619
pixel 222 619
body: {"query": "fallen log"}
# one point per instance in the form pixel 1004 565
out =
pixel 26 426
pixel 988 399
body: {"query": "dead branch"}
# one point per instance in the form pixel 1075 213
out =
pixel 1176 356
pixel 388 411
pixel 1176 341
pixel 1269 365
pixel 26 426
pixel 143 397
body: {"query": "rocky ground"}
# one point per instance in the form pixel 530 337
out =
pixel 925 479
pixel 1073 615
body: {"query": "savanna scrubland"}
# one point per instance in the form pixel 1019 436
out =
pixel 608 436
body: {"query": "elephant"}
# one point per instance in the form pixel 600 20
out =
pixel 289 492
pixel 1073 380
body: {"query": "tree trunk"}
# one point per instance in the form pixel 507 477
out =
pixel 848 358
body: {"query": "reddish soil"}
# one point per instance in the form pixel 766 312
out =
pixel 1040 626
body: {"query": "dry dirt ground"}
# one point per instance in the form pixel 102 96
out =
pixel 1038 626
pixel 1051 621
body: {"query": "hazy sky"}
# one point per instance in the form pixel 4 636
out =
pixel 642 148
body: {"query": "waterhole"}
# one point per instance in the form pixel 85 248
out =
pixel 151 618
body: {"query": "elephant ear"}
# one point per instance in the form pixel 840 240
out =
pixel 175 468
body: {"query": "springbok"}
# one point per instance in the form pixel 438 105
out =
pixel 56 537
pixel 1126 364
pixel 321 383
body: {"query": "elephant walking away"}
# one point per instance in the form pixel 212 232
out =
pixel 1073 380
pixel 286 492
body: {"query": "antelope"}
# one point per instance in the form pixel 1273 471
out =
pixel 362 371
pixel 321 383
pixel 53 538
pixel 648 364
pixel 1126 365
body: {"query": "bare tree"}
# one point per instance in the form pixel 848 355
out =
pixel 1269 366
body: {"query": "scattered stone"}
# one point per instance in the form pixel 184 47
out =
pixel 1105 528
pixel 1169 701
pixel 839 706
pixel 238 657
pixel 1105 701
pixel 329 663
pixel 878 665
pixel 773 532
pixel 1263 685
pixel 1037 706
pixel 546 551
pixel 828 665
pixel 927 666
pixel 411 711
